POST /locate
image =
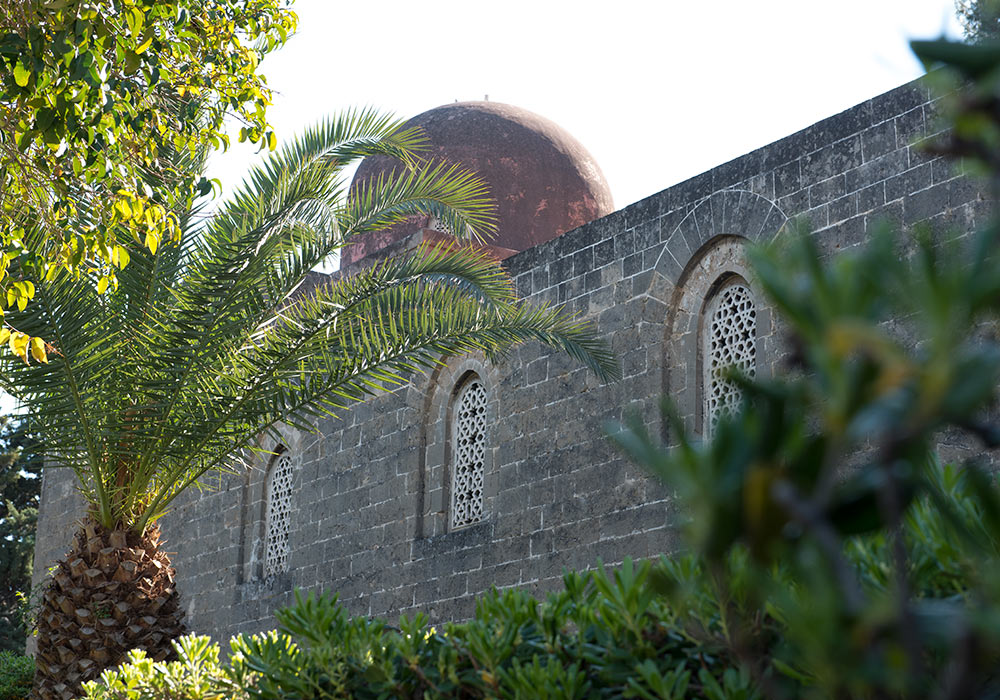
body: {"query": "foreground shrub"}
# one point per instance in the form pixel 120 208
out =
pixel 682 627
pixel 16 672
pixel 601 636
pixel 195 675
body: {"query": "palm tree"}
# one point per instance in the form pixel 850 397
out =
pixel 208 344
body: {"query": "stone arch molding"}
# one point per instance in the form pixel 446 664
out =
pixel 739 213
pixel 705 252
pixel 434 478
pixel 253 500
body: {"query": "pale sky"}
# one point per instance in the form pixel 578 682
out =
pixel 656 91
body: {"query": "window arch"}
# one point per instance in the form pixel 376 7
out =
pixel 730 341
pixel 468 454
pixel 278 512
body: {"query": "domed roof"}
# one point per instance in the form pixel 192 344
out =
pixel 543 180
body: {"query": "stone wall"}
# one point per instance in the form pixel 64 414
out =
pixel 371 492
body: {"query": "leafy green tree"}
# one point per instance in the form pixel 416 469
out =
pixel 980 19
pixel 840 447
pixel 93 96
pixel 208 344
pixel 20 486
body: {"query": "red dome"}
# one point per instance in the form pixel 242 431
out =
pixel 543 180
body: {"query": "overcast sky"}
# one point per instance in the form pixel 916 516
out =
pixel 657 91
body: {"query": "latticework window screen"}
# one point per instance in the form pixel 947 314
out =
pixel 731 341
pixel 469 450
pixel 278 515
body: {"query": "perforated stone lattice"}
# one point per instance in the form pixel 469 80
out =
pixel 469 431
pixel 279 512
pixel 732 342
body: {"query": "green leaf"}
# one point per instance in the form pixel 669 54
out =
pixel 132 62
pixel 135 19
pixel 973 61
pixel 141 48
pixel 21 73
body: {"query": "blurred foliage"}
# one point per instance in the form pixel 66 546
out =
pixel 20 488
pixel 889 346
pixel 16 672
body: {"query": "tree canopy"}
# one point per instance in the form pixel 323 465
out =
pixel 980 19
pixel 93 93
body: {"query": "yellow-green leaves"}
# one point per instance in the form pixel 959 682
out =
pixel 85 129
pixel 21 344
pixel 135 19
pixel 18 343
pixel 21 73
pixel 18 293
pixel 119 257
pixel 38 350
pixel 122 208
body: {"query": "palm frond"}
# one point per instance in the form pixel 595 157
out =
pixel 355 338
pixel 206 345
pixel 457 198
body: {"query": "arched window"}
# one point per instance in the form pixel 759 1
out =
pixel 730 340
pixel 468 449
pixel 278 513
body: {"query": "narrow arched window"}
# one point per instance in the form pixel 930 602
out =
pixel 469 441
pixel 730 337
pixel 278 513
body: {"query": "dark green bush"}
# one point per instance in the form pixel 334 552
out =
pixel 16 672
pixel 602 636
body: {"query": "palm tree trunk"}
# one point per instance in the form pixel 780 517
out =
pixel 113 592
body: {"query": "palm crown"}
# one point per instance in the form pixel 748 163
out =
pixel 207 344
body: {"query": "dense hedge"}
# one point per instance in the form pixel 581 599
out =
pixel 601 636
pixel 16 672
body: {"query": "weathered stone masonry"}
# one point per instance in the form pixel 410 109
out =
pixel 370 495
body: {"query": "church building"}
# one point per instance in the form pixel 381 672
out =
pixel 480 475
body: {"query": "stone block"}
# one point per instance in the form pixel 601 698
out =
pixel 604 252
pixel 871 197
pixel 878 140
pixel 926 203
pixel 826 191
pixel 910 126
pixel 832 160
